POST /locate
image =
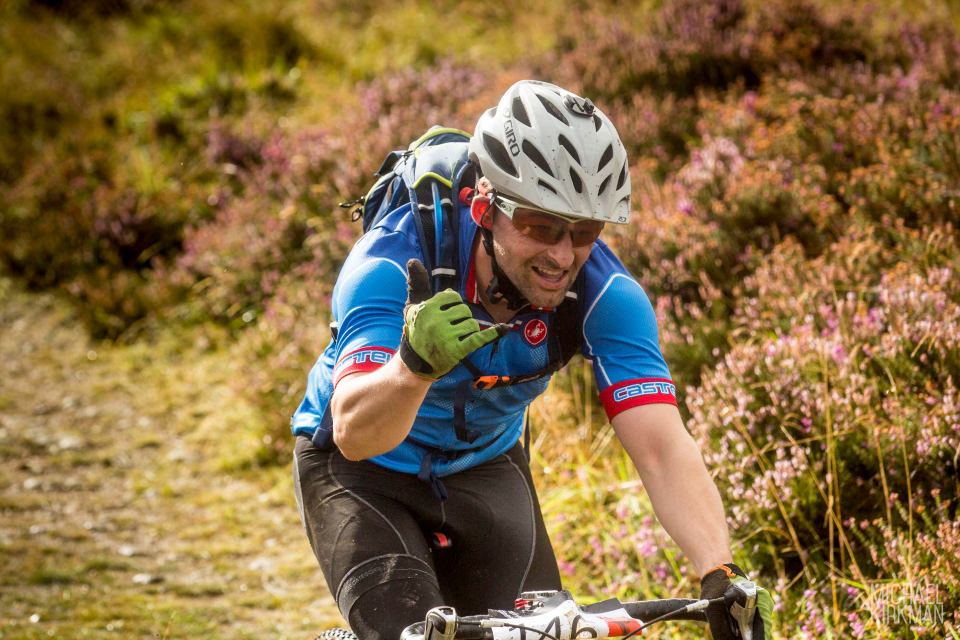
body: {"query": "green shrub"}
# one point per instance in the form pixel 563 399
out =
pixel 837 404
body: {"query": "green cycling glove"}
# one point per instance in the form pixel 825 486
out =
pixel 438 330
pixel 716 583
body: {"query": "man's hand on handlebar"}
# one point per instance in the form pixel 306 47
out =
pixel 741 598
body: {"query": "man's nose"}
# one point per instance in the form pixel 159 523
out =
pixel 562 252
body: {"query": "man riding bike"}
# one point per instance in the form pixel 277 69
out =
pixel 424 394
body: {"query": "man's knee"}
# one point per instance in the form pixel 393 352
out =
pixel 378 570
pixel 384 595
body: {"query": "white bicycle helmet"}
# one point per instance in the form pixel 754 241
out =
pixel 555 150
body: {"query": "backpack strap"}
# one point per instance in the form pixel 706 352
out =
pixel 568 321
pixel 431 176
pixel 323 436
pixel 425 473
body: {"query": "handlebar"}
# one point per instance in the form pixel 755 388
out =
pixel 552 615
pixel 652 609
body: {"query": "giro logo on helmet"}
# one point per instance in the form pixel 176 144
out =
pixel 508 132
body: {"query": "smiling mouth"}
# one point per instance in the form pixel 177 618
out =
pixel 551 276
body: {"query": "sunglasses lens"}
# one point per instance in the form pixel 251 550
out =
pixel 550 229
pixel 585 232
pixel 539 225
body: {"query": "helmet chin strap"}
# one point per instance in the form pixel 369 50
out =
pixel 500 287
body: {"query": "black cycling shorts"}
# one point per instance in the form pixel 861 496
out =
pixel 369 528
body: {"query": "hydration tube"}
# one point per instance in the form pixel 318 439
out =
pixel 437 225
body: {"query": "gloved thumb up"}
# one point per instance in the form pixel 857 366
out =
pixel 438 330
pixel 418 282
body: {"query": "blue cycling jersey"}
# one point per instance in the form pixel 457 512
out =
pixel 619 330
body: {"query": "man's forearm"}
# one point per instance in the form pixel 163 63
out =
pixel 684 496
pixel 373 412
pixel 688 506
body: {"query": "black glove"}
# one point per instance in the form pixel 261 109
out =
pixel 716 583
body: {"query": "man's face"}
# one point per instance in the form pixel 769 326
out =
pixel 542 272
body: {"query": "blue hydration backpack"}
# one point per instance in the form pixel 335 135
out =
pixel 429 175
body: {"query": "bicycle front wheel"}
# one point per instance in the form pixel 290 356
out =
pixel 337 634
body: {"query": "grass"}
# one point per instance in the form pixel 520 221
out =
pixel 50 576
pixel 196 528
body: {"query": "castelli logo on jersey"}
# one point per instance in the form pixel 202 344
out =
pixel 535 332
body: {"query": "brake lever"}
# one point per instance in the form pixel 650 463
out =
pixel 742 599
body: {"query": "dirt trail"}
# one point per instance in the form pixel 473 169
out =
pixel 128 507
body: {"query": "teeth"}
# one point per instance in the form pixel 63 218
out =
pixel 549 272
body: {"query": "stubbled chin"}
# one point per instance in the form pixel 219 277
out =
pixel 540 297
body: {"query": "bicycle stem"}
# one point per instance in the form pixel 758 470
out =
pixel 440 624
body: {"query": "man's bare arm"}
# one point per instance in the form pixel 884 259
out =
pixel 683 494
pixel 374 411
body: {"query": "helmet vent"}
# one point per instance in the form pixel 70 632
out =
pixel 566 144
pixel 606 157
pixel 520 112
pixel 596 122
pixel 546 186
pixel 553 110
pixel 499 155
pixel 534 154
pixel 577 182
pixel 491 112
pixel 623 176
pixel 603 185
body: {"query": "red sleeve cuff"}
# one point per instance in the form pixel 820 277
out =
pixel 632 393
pixel 363 359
